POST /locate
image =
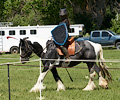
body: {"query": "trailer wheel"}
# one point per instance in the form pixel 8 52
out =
pixel 118 45
pixel 14 49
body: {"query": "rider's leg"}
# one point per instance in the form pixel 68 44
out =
pixel 65 52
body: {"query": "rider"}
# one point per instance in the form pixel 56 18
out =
pixel 64 19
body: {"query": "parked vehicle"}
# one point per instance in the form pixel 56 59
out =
pixel 106 38
pixel 10 36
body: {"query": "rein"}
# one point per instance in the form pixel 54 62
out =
pixel 31 49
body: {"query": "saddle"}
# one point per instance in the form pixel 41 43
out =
pixel 72 47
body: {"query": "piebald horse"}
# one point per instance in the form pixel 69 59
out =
pixel 89 51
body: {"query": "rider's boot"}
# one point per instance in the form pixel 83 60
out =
pixel 65 52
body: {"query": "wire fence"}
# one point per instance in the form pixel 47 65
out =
pixel 36 60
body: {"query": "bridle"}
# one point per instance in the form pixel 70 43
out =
pixel 28 48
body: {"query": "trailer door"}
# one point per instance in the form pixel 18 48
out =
pixel 1 44
pixel 2 33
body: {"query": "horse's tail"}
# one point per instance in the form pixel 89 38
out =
pixel 103 66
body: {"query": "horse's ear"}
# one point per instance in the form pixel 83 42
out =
pixel 21 42
pixel 20 39
pixel 25 38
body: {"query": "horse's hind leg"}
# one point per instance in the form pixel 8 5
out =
pixel 91 84
pixel 57 79
pixel 102 81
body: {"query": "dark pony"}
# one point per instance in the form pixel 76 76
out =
pixel 89 51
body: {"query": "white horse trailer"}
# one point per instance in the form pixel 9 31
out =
pixel 10 36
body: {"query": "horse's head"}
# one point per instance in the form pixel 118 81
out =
pixel 25 50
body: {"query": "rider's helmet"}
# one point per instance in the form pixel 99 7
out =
pixel 63 12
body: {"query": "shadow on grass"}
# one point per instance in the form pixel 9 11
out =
pixel 73 88
pixel 109 48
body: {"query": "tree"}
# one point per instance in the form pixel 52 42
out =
pixel 1 9
pixel 94 14
pixel 116 24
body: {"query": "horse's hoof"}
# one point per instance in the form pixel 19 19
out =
pixel 88 89
pixel 104 87
pixel 61 89
pixel 37 89
pixel 34 90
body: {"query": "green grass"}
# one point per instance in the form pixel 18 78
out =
pixel 22 79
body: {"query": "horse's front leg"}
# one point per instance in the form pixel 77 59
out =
pixel 57 79
pixel 91 84
pixel 41 77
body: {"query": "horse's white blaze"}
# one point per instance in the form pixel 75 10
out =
pixel 91 84
pixel 60 86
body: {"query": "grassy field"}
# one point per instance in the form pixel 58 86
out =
pixel 22 79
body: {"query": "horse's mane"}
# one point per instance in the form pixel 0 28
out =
pixel 50 44
pixel 42 42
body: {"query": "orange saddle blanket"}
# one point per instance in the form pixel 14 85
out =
pixel 70 47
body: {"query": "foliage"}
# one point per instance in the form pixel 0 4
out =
pixel 1 9
pixel 107 19
pixel 116 24
pixel 87 20
pixel 8 9
pixel 44 12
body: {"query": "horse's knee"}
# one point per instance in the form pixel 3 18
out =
pixel 92 75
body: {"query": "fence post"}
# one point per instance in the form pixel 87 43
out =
pixel 8 81
pixel 40 81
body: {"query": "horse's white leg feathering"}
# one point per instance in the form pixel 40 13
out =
pixel 91 84
pixel 60 86
pixel 39 83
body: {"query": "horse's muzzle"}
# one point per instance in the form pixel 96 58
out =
pixel 24 60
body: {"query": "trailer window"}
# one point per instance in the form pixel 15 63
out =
pixel 71 30
pixel 12 32
pixel 22 32
pixel 2 33
pixel 33 32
